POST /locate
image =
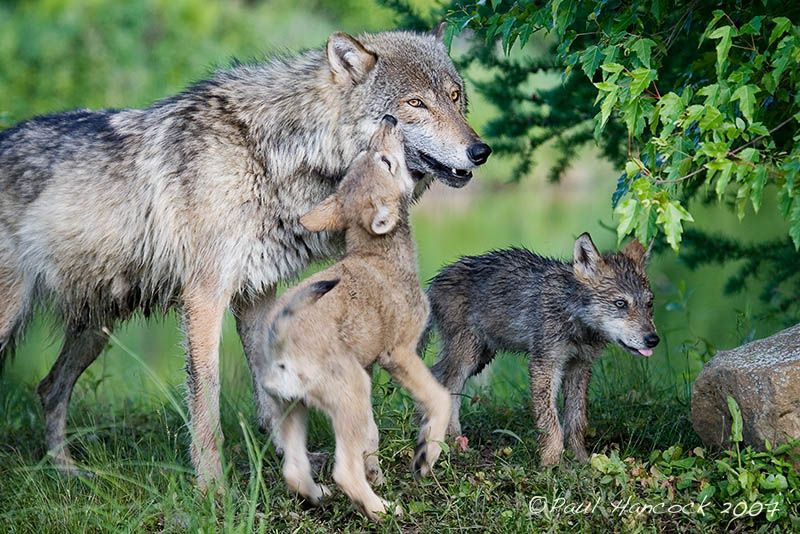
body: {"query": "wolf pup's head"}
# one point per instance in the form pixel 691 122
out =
pixel 375 192
pixel 620 301
pixel 410 76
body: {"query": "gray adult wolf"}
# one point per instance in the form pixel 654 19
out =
pixel 563 314
pixel 195 203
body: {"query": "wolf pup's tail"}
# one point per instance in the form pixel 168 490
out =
pixel 305 297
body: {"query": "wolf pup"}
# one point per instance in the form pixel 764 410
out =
pixel 194 203
pixel 369 306
pixel 562 314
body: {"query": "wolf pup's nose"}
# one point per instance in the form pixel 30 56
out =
pixel 389 119
pixel 479 153
pixel 651 340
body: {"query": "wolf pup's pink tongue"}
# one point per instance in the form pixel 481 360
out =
pixel 645 352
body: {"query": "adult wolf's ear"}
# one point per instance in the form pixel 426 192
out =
pixel 384 219
pixel 350 62
pixel 587 260
pixel 438 31
pixel 636 252
pixel 327 215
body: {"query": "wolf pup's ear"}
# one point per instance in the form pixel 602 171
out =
pixel 636 252
pixel 383 220
pixel 327 215
pixel 587 260
pixel 438 30
pixel 350 62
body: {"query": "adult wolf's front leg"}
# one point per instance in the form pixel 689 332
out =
pixel 203 313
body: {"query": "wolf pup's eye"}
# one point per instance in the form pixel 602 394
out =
pixel 388 163
pixel 454 95
pixel 621 304
pixel 416 103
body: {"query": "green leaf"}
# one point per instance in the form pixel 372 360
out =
pixel 608 105
pixel 671 106
pixel 774 481
pixel 794 223
pixel 591 59
pixel 640 80
pixel 711 119
pixel 642 48
pixel 670 218
pixel 717 14
pixel 725 34
pixel 626 211
pixel 736 420
pixel 746 95
pixel 782 25
pixel 632 115
pixel 725 168
pixel 613 68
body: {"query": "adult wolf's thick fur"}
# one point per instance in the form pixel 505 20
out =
pixel 562 314
pixel 195 202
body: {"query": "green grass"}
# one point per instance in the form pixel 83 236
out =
pixel 136 451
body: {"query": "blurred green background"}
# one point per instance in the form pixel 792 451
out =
pixel 63 54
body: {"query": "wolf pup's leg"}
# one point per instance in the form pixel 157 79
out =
pixel 203 311
pixel 576 386
pixel 81 347
pixel 347 400
pixel 461 357
pixel 371 457
pixel 545 374
pixel 410 371
pixel 292 429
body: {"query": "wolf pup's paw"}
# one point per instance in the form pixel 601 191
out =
pixel 425 455
pixel 375 475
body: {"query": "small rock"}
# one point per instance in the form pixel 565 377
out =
pixel 764 378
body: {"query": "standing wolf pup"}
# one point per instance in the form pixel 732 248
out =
pixel 195 203
pixel 369 306
pixel 563 314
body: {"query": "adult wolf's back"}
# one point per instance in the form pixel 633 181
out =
pixel 195 201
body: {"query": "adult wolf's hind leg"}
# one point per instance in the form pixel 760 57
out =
pixel 12 306
pixel 81 347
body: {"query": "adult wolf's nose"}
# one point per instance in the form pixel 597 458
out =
pixel 479 153
pixel 651 340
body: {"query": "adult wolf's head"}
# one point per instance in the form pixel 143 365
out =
pixel 619 302
pixel 410 76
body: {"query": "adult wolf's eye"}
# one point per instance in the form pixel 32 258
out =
pixel 454 95
pixel 621 304
pixel 416 103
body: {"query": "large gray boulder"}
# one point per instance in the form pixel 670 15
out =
pixel 764 378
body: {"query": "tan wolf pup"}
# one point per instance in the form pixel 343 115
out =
pixel 369 306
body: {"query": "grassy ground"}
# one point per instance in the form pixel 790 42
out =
pixel 136 452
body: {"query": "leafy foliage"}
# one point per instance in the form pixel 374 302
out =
pixel 690 98
pixel 736 485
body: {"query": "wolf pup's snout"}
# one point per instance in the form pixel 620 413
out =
pixel 651 340
pixel 389 119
